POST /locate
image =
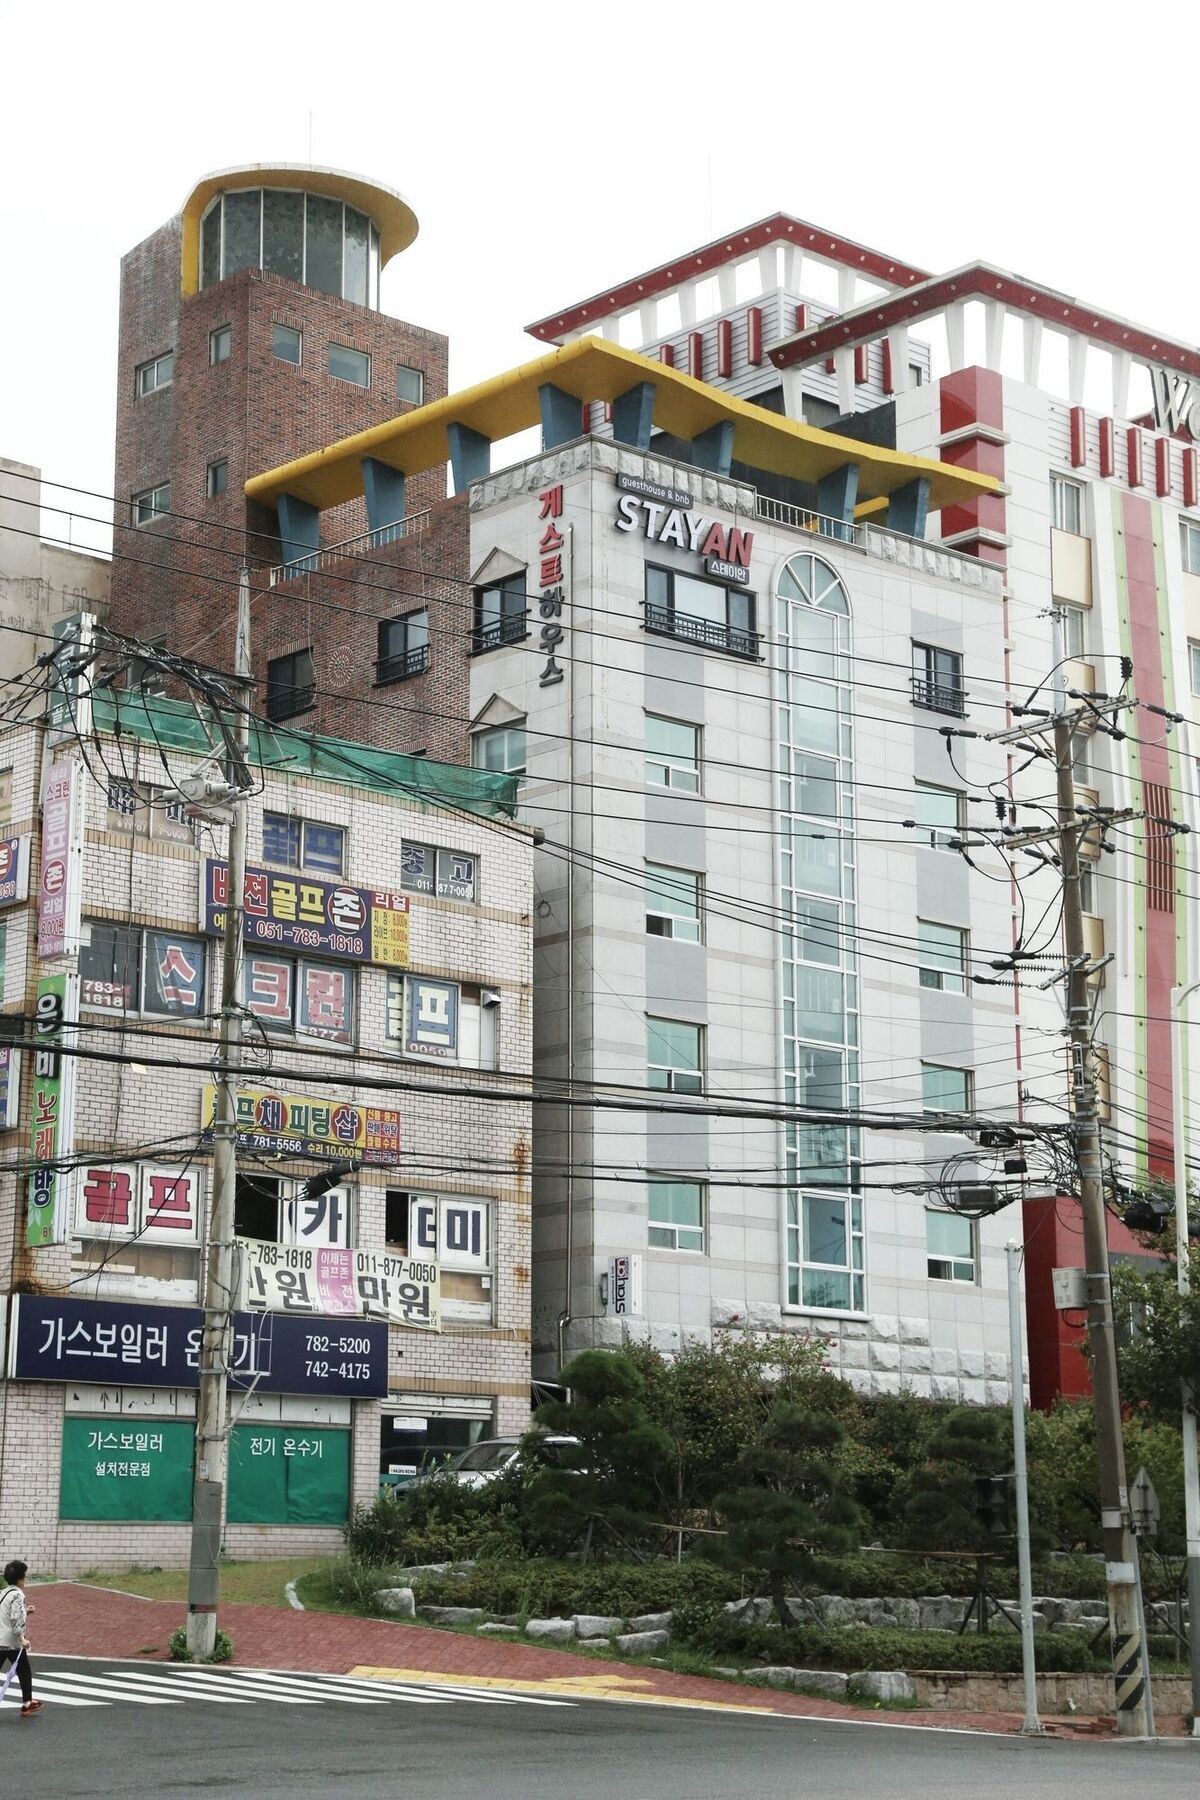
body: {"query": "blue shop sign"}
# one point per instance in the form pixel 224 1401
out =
pixel 116 1342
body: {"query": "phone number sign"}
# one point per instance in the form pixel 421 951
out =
pixel 293 1125
pixel 297 912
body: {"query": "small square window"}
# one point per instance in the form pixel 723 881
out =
pixel 220 344
pixel 403 646
pixel 410 384
pixel 1189 545
pixel 285 343
pixel 217 480
pixel 674 1053
pixel 291 685
pixel 942 957
pixel 154 503
pixel 1066 504
pixel 676 1215
pixel 349 365
pixel 501 750
pixel 672 903
pixel 158 373
pixel 916 374
pixel 937 679
pixel 1074 628
pixel 949 1247
pixel 940 815
pixel 293 843
pixel 945 1090
pixel 672 754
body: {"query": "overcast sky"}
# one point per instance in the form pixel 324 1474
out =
pixel 549 151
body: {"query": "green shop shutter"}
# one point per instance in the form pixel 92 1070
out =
pixel 288 1475
pixel 127 1468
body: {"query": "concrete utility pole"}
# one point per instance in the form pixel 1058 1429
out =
pixel 1191 1463
pixel 1031 1724
pixel 1119 1553
pixel 212 1447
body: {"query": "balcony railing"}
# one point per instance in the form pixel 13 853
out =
pixel 322 560
pixel 509 629
pixel 402 667
pixel 708 632
pixel 802 518
pixel 938 696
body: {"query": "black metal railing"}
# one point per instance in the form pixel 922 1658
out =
pixel 402 667
pixel 709 632
pixel 509 629
pixel 938 696
pixel 286 702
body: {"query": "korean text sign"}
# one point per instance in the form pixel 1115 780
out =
pixel 122 1343
pixel 297 912
pixel 310 1280
pixel 60 886
pixel 297 1125
pixel 51 1112
pixel 126 1469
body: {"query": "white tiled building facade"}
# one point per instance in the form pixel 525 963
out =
pixel 457 1191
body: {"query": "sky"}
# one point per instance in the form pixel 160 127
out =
pixel 549 151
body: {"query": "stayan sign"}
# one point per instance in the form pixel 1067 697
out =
pixel 725 548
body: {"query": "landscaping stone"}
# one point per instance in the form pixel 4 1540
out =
pixel 651 1622
pixel 641 1643
pixel 941 1612
pixel 834 1610
pixel 451 1615
pixel 726 1674
pixel 497 1630
pixel 772 1676
pixel 751 1612
pixel 460 1570
pixel 881 1684
pixel 596 1625
pixel 397 1602
pixel 880 1615
pixel 826 1682
pixel 594 1643
pixel 551 1631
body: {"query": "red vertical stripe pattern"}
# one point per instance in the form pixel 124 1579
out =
pixel 1133 455
pixel 1078 437
pixel 1162 467
pixel 1108 447
pixel 696 354
pixel 666 355
pixel 754 350
pixel 861 366
pixel 802 315
pixel 1189 478
pixel 885 367
pixel 724 349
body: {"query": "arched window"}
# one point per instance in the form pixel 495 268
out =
pixel 823 1222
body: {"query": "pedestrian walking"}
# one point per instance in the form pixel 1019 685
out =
pixel 14 1645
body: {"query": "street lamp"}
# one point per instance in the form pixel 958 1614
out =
pixel 1191 1464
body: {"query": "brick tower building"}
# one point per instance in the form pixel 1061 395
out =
pixel 250 334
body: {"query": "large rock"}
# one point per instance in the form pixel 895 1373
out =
pixel 551 1631
pixel 397 1602
pixel 821 1681
pixel 881 1684
pixel 835 1610
pixel 642 1643
pixel 596 1625
pixel 651 1622
pixel 941 1612
pixel 750 1612
pixel 451 1615
pixel 415 1571
pixel 771 1676
pixel 908 1614
pixel 495 1629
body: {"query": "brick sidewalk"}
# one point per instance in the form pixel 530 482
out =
pixel 73 1620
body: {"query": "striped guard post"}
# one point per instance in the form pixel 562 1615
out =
pixel 1127 1670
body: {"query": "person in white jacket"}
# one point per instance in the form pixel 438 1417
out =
pixel 14 1645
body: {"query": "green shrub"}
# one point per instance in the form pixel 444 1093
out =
pixel 177 1647
pixel 439 1520
pixel 545 1589
pixel 869 1647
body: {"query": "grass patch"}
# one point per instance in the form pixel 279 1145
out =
pixel 255 1583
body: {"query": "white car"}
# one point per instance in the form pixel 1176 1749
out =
pixel 484 1461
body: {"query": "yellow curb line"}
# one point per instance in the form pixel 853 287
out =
pixel 580 1687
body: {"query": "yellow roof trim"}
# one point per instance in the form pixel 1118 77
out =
pixel 593 369
pixel 394 219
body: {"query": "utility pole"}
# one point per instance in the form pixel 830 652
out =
pixel 1119 1551
pixel 1183 1273
pixel 208 1494
pixel 1032 1724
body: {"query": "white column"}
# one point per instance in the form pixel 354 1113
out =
pixel 687 304
pixel 1077 349
pixel 793 393
pixel 846 289
pixel 648 320
pixel 793 268
pixel 727 286
pixel 897 338
pixel 1122 362
pixel 956 336
pixel 768 268
pixel 843 366
pixel 1032 329
pixel 993 313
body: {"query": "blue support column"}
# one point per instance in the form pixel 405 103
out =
pixel 470 456
pixel 713 449
pixel 383 488
pixel 836 495
pixel 908 508
pixel 299 533
pixel 562 416
pixel 633 415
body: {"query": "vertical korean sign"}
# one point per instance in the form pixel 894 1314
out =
pixel 553 561
pixel 60 884
pixel 51 1112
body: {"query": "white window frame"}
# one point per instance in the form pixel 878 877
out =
pixel 942 977
pixel 853 1268
pixel 408 369
pixel 670 1228
pixel 430 1217
pixel 152 503
pixel 1067 498
pixel 1194 665
pixel 143 934
pixel 350 350
pixel 440 883
pixel 211 490
pixel 291 1029
pixel 681 776
pixel 317 869
pixel 215 335
pixel 939 837
pixel 1087 886
pixel 657 908
pixel 477 1014
pixel 680 1077
pixel 492 734
pixel 953 1263
pixel 154 370
pixel 949 1069
pixel 1189 545
pixel 1074 631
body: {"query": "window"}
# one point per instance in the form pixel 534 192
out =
pixel 673 1056
pixel 940 815
pixel 292 843
pixel 285 343
pixel 217 479
pixel 937 679
pixel 1081 759
pixel 136 809
pixel 676 1215
pixel 159 974
pixel 825 1251
pixel 1074 630
pixel 703 612
pixel 942 957
pixel 310 238
pixel 500 615
pixel 152 504
pixel 1189 545
pixel 268 1207
pixel 1087 886
pixel 916 374
pixel 296 995
pixel 450 874
pixel 454 1228
pixel 443 1021
pixel 220 344
pixel 291 685
pixel 949 1247
pixel 502 750
pixel 6 796
pixel 672 903
pixel 1194 662
pixel 159 373
pixel 346 364
pixel 403 648
pixel 945 1090
pixel 1066 503
pixel 672 754
pixel 410 385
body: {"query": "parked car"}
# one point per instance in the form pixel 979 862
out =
pixel 484 1461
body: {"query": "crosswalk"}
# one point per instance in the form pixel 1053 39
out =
pixel 173 1684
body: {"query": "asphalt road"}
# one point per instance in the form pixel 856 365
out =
pixel 512 1749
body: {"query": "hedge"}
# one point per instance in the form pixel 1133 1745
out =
pixel 545 1589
